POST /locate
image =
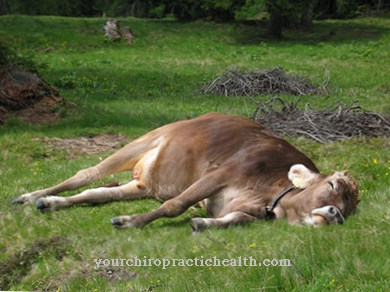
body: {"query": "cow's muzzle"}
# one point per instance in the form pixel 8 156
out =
pixel 327 215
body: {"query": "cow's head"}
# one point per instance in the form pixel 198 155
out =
pixel 324 199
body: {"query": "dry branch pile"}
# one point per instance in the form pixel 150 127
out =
pixel 335 122
pixel 274 81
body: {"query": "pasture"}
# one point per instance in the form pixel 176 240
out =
pixel 129 90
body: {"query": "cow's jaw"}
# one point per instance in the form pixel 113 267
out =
pixel 324 216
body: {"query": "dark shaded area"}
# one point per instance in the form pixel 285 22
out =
pixel 18 265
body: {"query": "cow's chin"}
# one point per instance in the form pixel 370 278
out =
pixel 316 220
pixel 324 216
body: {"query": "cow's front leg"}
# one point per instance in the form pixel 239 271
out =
pixel 233 218
pixel 130 191
pixel 171 208
pixel 203 188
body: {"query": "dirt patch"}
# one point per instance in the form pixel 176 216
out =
pixel 89 273
pixel 113 273
pixel 86 145
pixel 27 96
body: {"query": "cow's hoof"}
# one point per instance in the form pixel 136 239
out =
pixel 197 224
pixel 116 222
pixel 41 205
pixel 127 221
pixel 17 201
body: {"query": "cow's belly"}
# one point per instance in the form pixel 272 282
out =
pixel 166 193
pixel 163 184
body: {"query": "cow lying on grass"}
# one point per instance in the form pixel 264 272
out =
pixel 240 170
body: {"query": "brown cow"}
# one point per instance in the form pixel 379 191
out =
pixel 240 170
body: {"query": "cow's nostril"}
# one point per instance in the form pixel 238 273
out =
pixel 332 210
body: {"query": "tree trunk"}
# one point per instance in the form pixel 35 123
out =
pixel 275 24
pixel 4 7
pixel 379 7
pixel 307 16
pixel 133 9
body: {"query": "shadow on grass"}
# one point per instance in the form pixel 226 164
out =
pixel 20 263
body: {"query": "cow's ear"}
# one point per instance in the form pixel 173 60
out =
pixel 301 176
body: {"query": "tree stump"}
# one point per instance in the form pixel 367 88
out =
pixel 27 96
pixel 115 33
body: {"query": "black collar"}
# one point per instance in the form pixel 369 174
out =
pixel 272 206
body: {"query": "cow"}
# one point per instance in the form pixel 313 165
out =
pixel 237 169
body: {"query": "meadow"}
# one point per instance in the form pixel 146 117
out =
pixel 129 90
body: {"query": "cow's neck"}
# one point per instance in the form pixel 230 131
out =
pixel 282 206
pixel 275 200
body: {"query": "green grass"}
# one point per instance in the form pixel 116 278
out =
pixel 132 89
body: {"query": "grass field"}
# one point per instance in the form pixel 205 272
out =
pixel 129 90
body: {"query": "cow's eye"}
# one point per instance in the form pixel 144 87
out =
pixel 331 184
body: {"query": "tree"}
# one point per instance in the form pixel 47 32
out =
pixel 280 13
pixel 4 7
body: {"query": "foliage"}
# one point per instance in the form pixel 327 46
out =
pixel 286 7
pixel 47 7
pixel 157 81
pixel 225 10
pixel 278 13
pixel 221 10
pixel 251 10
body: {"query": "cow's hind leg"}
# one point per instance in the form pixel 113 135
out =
pixel 233 218
pixel 130 191
pixel 122 160
pixel 80 179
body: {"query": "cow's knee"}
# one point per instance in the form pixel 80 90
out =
pixel 173 208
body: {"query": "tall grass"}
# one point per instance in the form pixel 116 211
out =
pixel 132 89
